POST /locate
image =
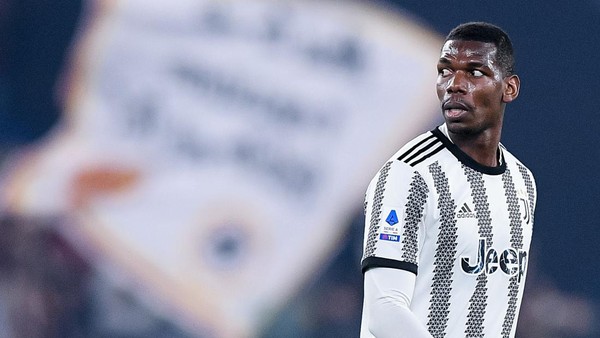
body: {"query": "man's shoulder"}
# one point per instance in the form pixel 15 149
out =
pixel 420 150
pixel 413 157
pixel 512 159
pixel 402 163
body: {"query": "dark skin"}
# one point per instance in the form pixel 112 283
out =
pixel 473 90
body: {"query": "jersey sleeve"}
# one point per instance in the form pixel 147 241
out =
pixel 395 204
pixel 387 298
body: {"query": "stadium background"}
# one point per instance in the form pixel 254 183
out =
pixel 552 127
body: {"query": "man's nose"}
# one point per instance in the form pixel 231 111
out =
pixel 457 83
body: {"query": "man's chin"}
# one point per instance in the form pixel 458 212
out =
pixel 458 127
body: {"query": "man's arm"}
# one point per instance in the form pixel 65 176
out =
pixel 388 293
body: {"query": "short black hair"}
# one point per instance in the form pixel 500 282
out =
pixel 487 32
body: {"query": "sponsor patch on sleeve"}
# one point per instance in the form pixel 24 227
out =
pixel 392 217
pixel 388 237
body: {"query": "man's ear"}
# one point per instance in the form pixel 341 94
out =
pixel 513 84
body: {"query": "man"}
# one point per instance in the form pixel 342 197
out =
pixel 449 217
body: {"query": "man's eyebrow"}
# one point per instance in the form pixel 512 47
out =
pixel 477 64
pixel 444 60
pixel 471 64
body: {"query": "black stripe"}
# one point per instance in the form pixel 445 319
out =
pixel 516 241
pixel 415 205
pixel 433 152
pixel 378 262
pixel 414 147
pixel 478 301
pixel 445 255
pixel 370 246
pixel 422 150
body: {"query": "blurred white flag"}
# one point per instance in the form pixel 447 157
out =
pixel 215 151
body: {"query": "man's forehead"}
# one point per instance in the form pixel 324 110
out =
pixel 468 48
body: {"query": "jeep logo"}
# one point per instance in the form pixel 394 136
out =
pixel 510 261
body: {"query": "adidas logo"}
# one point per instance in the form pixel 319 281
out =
pixel 465 212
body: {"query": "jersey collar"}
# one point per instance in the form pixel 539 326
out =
pixel 441 133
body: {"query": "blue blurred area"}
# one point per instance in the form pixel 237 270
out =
pixel 33 44
pixel 552 127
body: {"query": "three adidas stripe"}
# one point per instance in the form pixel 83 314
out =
pixel 424 149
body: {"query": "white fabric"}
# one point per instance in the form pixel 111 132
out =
pixel 388 294
pixel 464 228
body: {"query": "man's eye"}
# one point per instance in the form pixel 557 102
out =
pixel 444 72
pixel 477 73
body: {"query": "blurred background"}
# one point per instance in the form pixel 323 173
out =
pixel 197 168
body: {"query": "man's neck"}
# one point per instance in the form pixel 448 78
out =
pixel 483 148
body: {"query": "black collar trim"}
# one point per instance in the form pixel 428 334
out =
pixel 466 159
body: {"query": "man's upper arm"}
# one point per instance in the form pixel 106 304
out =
pixel 394 208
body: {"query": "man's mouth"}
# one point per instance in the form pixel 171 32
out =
pixel 453 113
pixel 454 109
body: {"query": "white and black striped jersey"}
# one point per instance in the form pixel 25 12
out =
pixel 463 228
